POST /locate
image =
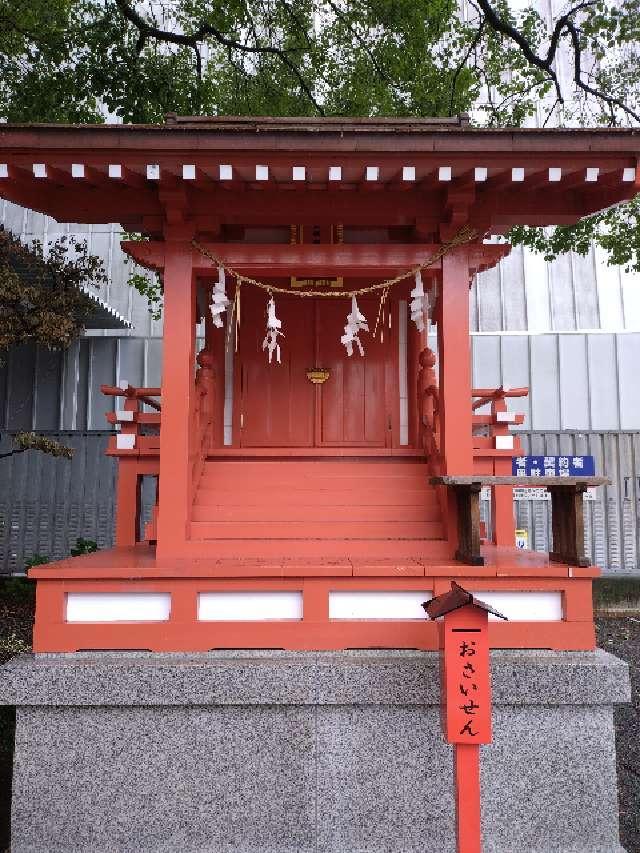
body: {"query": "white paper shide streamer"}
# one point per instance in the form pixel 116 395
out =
pixel 270 343
pixel 356 322
pixel 219 300
pixel 419 303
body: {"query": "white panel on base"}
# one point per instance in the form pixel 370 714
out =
pixel 524 606
pixel 404 604
pixel 118 606
pixel 125 441
pixel 249 606
pixel 504 442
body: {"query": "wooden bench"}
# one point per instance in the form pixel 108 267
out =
pixel 567 517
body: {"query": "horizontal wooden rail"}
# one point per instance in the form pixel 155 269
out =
pixel 487 395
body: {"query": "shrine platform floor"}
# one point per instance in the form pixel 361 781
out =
pixel 140 562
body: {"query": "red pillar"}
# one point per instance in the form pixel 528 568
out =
pixel 178 360
pixel 127 503
pixel 456 442
pixel 467 769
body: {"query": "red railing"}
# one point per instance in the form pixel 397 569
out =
pixel 130 420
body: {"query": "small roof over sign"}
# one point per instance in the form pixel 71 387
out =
pixel 455 599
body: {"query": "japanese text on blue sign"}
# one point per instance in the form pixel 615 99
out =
pixel 553 466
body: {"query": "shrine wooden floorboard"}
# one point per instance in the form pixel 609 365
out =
pixel 139 562
pixel 323 507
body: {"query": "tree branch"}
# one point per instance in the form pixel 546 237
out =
pixel 474 44
pixel 205 30
pixel 590 90
pixel 564 25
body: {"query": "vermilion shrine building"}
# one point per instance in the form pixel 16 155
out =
pixel 317 502
pixel 312 502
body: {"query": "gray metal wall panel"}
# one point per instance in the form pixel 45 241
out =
pixel 83 389
pixel 603 379
pixel 563 305
pixel 574 381
pixel 153 367
pixel 131 360
pixel 545 404
pixel 102 371
pixel 489 302
pixel 21 363
pixel 3 391
pixel 70 380
pixel 486 362
pixel 585 291
pixel 515 372
pixel 629 380
pixel 47 503
pixel 47 386
pixel 514 302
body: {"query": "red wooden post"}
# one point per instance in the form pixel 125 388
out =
pixel 466 700
pixel 128 485
pixel 456 443
pixel 127 503
pixel 177 399
pixel 504 526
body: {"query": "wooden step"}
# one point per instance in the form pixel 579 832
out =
pixel 265 496
pixel 284 480
pixel 372 530
pixel 420 549
pixel 325 463
pixel 312 514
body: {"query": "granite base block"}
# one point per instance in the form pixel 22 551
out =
pixel 282 752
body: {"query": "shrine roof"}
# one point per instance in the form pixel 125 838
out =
pixel 429 171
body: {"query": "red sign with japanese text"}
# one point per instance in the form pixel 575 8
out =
pixel 466 681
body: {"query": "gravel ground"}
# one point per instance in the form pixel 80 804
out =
pixel 620 636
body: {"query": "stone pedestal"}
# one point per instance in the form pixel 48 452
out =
pixel 284 752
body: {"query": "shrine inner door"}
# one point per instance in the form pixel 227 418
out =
pixel 280 407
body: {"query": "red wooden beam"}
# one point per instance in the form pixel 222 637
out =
pixel 276 260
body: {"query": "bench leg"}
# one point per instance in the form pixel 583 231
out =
pixel 468 507
pixel 567 521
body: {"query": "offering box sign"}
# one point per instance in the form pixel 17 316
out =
pixel 466 684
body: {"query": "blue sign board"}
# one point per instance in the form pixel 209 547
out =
pixel 553 466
